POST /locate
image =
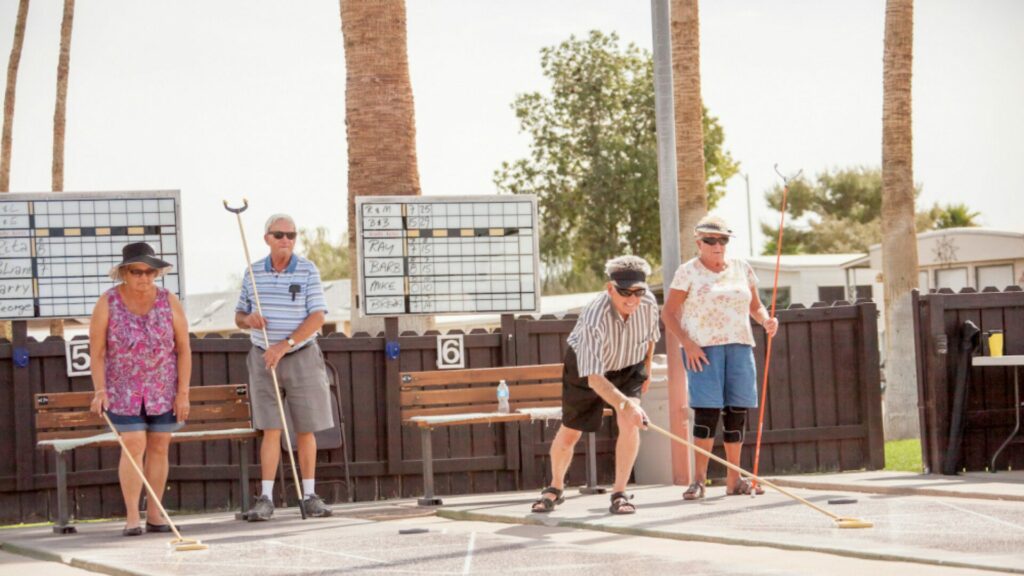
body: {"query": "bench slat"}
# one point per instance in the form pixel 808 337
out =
pixel 491 407
pixel 52 420
pixel 197 394
pixel 86 432
pixel 474 420
pixel 481 375
pixel 481 395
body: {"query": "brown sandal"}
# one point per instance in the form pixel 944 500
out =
pixel 744 487
pixel 694 492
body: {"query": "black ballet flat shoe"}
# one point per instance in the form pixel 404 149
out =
pixel 157 527
pixel 137 531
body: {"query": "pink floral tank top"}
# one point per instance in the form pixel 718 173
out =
pixel 141 361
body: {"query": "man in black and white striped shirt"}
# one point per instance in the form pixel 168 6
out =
pixel 608 363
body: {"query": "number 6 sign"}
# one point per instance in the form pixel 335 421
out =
pixel 77 354
pixel 450 351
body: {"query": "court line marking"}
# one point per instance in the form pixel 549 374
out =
pixel 327 552
pixel 468 563
pixel 979 514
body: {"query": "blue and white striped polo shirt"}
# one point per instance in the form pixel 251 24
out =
pixel 284 307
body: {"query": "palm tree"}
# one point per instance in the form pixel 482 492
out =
pixel 899 240
pixel 12 83
pixel 8 133
pixel 60 116
pixel 693 196
pixel 379 115
pixel 956 216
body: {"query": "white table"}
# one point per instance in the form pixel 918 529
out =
pixel 1016 361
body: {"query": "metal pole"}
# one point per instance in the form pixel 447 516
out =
pixel 664 113
pixel 750 225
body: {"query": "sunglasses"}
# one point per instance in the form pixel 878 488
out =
pixel 139 272
pixel 277 234
pixel 626 292
pixel 712 240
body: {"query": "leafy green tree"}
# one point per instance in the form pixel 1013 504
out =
pixel 331 259
pixel 593 158
pixel 841 212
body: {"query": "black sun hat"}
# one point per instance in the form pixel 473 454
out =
pixel 139 253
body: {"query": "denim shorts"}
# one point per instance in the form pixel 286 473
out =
pixel 166 422
pixel 729 379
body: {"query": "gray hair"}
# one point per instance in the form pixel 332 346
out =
pixel 275 218
pixel 621 263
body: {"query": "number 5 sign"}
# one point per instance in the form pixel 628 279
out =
pixel 450 351
pixel 77 354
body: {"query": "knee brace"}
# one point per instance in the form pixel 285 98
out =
pixel 705 422
pixel 734 423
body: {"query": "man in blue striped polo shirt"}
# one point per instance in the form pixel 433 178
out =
pixel 292 300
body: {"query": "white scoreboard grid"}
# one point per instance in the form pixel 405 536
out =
pixel 56 249
pixel 421 255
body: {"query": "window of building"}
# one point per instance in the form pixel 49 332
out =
pixel 864 291
pixel 782 299
pixel 830 294
pixel 999 276
pixel 953 278
pixel 922 281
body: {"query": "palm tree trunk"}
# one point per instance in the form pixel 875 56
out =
pixel 379 116
pixel 693 196
pixel 899 237
pixel 8 134
pixel 9 96
pixel 60 117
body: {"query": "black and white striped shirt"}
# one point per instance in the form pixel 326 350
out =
pixel 603 341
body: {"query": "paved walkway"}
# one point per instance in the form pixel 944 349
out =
pixel 962 532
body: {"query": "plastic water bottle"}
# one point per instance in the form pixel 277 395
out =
pixel 503 397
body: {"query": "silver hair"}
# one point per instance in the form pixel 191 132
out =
pixel 621 263
pixel 275 218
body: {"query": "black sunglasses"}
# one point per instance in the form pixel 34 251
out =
pixel 712 240
pixel 626 292
pixel 139 273
pixel 277 234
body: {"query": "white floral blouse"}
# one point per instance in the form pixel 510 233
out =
pixel 717 307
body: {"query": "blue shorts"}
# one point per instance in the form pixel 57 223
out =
pixel 730 378
pixel 166 422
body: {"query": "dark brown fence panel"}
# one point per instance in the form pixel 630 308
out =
pixel 543 341
pixel 823 411
pixel 939 317
pixel 820 413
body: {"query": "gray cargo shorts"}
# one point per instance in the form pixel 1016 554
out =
pixel 302 376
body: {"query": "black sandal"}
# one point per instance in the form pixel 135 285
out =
pixel 544 505
pixel 621 500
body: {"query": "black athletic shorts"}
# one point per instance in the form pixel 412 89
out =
pixel 582 408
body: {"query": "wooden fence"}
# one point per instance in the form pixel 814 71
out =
pixel 938 318
pixel 823 415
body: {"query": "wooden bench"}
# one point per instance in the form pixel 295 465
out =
pixel 440 398
pixel 64 422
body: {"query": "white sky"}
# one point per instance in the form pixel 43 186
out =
pixel 230 98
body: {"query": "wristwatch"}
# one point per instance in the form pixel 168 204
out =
pixel 291 342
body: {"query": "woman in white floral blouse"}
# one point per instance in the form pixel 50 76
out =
pixel 707 310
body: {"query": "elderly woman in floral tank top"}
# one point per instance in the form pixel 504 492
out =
pixel 141 364
pixel 708 309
